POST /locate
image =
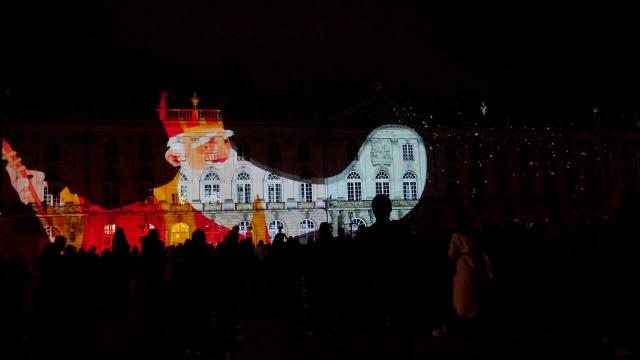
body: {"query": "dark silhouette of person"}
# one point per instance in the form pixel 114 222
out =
pixel 387 260
pixel 228 295
pixel 14 285
pixel 153 261
pixel 192 286
pixel 119 272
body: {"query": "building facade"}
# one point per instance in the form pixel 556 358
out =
pixel 260 199
pixel 290 177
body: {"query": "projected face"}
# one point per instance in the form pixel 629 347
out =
pixel 198 147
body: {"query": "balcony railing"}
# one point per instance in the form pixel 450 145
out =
pixel 242 206
pixel 367 203
pixel 212 206
pixel 306 205
pixel 275 205
pixel 190 114
pixel 68 208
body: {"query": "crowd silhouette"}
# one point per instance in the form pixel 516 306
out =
pixel 390 282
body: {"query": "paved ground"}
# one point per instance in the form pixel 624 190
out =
pixel 267 337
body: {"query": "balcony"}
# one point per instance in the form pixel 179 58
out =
pixel 243 206
pixel 212 206
pixel 190 114
pixel 403 203
pixel 306 205
pixel 67 209
pixel 275 206
pixel 345 204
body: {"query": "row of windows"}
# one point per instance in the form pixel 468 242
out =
pixel 382 185
pixel 211 187
pixel 244 195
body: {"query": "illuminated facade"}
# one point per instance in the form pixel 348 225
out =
pixel 297 175
pixel 391 161
pixel 217 186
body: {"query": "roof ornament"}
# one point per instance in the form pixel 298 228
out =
pixel 195 100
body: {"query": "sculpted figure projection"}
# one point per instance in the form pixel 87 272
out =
pixel 215 189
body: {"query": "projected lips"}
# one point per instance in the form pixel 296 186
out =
pixel 216 189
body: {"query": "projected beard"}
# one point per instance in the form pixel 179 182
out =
pixel 391 160
pixel 197 149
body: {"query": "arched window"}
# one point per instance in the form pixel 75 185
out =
pixel 211 188
pixel 107 235
pixel 179 233
pixel 306 226
pixel 246 228
pixel 355 223
pixel 409 186
pixel 275 227
pixel 183 188
pixel 274 188
pixel 52 232
pixel 407 152
pixel 354 186
pixel 243 187
pixel 382 183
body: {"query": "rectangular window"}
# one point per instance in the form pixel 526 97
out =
pixel 275 192
pixel 410 190
pixel 244 193
pixel 382 188
pixel 354 191
pixel 306 194
pixel 211 189
pixel 407 152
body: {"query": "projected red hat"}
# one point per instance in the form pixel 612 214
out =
pixel 179 121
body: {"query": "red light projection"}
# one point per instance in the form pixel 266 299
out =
pixel 218 187
pixel 197 138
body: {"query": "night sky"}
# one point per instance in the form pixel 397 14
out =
pixel 325 55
